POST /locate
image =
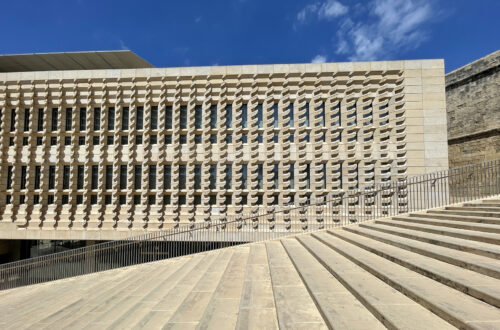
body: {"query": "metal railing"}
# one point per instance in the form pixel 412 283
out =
pixel 378 201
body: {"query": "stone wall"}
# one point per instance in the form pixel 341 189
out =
pixel 473 109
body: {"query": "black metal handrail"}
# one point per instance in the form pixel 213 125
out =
pixel 384 199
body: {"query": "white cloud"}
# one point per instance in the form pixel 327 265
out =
pixel 123 46
pixel 322 10
pixel 395 25
pixel 319 59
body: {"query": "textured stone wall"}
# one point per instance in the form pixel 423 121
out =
pixel 473 110
pixel 307 132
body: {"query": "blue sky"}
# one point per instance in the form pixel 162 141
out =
pixel 187 33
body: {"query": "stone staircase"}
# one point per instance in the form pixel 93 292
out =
pixel 437 269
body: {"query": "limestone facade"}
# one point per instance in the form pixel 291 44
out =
pixel 473 108
pixel 103 154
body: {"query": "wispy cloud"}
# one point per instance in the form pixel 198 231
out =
pixel 394 25
pixel 123 46
pixel 378 29
pixel 321 10
pixel 197 19
pixel 319 59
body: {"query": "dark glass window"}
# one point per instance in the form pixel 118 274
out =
pixel 8 199
pixel 137 199
pixel 197 139
pixel 26 119
pixel 111 118
pixel 83 119
pixel 168 139
pixel 137 176
pixel 23 176
pixel 95 140
pixel 109 177
pixel 167 177
pixel 183 117
pixel 154 117
pixel 39 126
pixel 139 124
pixel 65 199
pixel 168 117
pixel 11 141
pixel 229 116
pixel 306 121
pixel 13 120
pixel 81 140
pixel 275 176
pixel 212 200
pixel 229 138
pixel 69 115
pixel 38 170
pixel 107 199
pixel 153 139
pixel 259 176
pixel 198 117
pixel 50 199
pixel 79 177
pixel 66 177
pixel 308 176
pixel 213 176
pixel 123 176
pixel 97 119
pixel 244 138
pixel 275 138
pixel 122 199
pixel 53 126
pixel 213 138
pixel 182 199
pixel 290 115
pixel 183 139
pixel 244 169
pixel 79 199
pixel 197 177
pixel 244 114
pixel 229 176
pixel 9 177
pixel 52 177
pixel 124 140
pixel 93 199
pixel 166 199
pixel 95 174
pixel 25 141
pixel 197 200
pixel 152 176
pixel 125 118
pixel 259 138
pixel 292 176
pixel 259 199
pixel 274 109
pixel 36 199
pixel 53 140
pixel 110 140
pixel 244 200
pixel 259 115
pixel 152 199
pixel 182 176
pixel 67 140
pixel 229 200
pixel 213 116
pixel 138 139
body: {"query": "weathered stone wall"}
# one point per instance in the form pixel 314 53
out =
pixel 473 109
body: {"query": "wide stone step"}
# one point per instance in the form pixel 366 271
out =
pixel 478 248
pixel 469 213
pixel 257 308
pixel 469 282
pixel 222 310
pixel 479 264
pixel 391 307
pixel 487 228
pixel 194 305
pixel 448 231
pixel 491 204
pixel 490 201
pixel 458 308
pixel 436 215
pixel 340 309
pixel 481 208
pixel 294 306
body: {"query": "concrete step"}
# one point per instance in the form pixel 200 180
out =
pixel 257 308
pixel 478 248
pixel 479 264
pixel 481 208
pixel 194 305
pixel 483 204
pixel 436 215
pixel 474 213
pixel 339 307
pixel 490 201
pixel 222 310
pixel 294 306
pixel 388 305
pixel 487 228
pixel 469 282
pixel 174 295
pixel 453 232
pixel 457 308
